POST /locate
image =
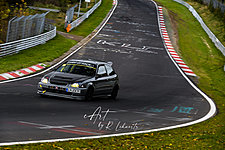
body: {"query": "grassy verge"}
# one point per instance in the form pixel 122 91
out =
pixel 207 62
pixel 215 22
pixel 38 54
pixel 93 21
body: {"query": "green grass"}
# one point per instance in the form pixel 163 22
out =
pixel 93 21
pixel 38 54
pixel 207 62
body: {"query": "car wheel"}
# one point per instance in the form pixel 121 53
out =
pixel 41 95
pixel 114 92
pixel 89 94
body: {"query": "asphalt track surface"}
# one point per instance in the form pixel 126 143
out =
pixel 153 93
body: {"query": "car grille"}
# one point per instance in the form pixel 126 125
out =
pixel 60 81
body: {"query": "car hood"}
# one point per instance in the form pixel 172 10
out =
pixel 61 78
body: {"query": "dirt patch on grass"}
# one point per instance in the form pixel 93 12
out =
pixel 71 36
pixel 171 25
pixel 173 20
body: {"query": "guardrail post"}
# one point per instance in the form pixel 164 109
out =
pixel 79 10
pixel 78 21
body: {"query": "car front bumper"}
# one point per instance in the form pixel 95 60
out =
pixel 61 91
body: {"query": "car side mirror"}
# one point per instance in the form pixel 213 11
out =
pixel 97 76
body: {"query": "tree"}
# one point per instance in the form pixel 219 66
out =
pixel 4 7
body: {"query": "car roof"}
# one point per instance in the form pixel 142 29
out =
pixel 87 61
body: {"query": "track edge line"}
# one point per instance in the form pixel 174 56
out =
pixel 210 114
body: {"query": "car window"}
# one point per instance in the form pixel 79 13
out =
pixel 110 70
pixel 77 69
pixel 65 68
pixel 102 71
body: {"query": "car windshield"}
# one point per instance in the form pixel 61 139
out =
pixel 81 69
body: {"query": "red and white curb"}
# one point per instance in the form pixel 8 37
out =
pixel 170 47
pixel 22 72
pixel 114 2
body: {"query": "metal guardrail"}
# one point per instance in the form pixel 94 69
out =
pixel 217 43
pixel 44 9
pixel 216 4
pixel 16 46
pixel 69 15
pixel 78 21
pixel 25 26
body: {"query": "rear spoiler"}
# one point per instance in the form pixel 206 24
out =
pixel 110 63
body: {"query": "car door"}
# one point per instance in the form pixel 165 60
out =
pixel 112 77
pixel 102 83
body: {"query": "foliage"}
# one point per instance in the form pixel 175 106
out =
pixel 10 9
pixel 199 1
pixel 62 4
pixel 4 14
pixel 4 7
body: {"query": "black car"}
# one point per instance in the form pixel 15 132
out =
pixel 81 79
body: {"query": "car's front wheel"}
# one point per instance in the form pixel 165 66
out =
pixel 114 92
pixel 89 94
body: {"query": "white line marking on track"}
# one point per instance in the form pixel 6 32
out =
pixel 42 126
pixel 65 127
pixel 210 114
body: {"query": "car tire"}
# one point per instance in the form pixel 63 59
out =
pixel 43 96
pixel 114 92
pixel 89 94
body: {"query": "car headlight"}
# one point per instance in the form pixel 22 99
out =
pixel 44 80
pixel 75 85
